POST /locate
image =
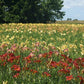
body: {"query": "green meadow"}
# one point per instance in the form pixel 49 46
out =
pixel 41 53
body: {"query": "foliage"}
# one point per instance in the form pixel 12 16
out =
pixel 69 19
pixel 75 19
pixel 31 11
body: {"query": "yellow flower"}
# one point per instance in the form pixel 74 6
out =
pixel 7 36
pixel 22 43
pixel 71 45
pixel 82 52
pixel 50 44
pixel 63 46
pixel 81 45
pixel 83 35
pixel 5 82
pixel 1 31
pixel 75 46
pixel 11 38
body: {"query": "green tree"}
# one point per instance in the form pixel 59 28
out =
pixel 69 19
pixel 11 12
pixel 30 11
pixel 51 10
pixel 21 11
pixel 1 11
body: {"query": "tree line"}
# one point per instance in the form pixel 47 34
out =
pixel 30 11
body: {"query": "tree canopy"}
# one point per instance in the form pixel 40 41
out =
pixel 30 11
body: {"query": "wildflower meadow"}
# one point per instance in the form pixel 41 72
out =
pixel 41 53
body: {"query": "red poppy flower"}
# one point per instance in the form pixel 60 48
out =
pixel 64 64
pixel 16 75
pixel 50 52
pixel 45 54
pixel 11 55
pixel 17 57
pixel 69 67
pixel 11 59
pixel 47 74
pixel 54 64
pixel 38 61
pixel 82 79
pixel 82 60
pixel 5 55
pixel 27 58
pixel 69 60
pixel 16 68
pixel 69 77
pixel 3 64
pixel 76 65
pixel 34 71
pixel 64 71
pixel 64 56
pixel 25 68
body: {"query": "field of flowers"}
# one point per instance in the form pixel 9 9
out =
pixel 41 53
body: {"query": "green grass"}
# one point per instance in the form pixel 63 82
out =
pixel 70 22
